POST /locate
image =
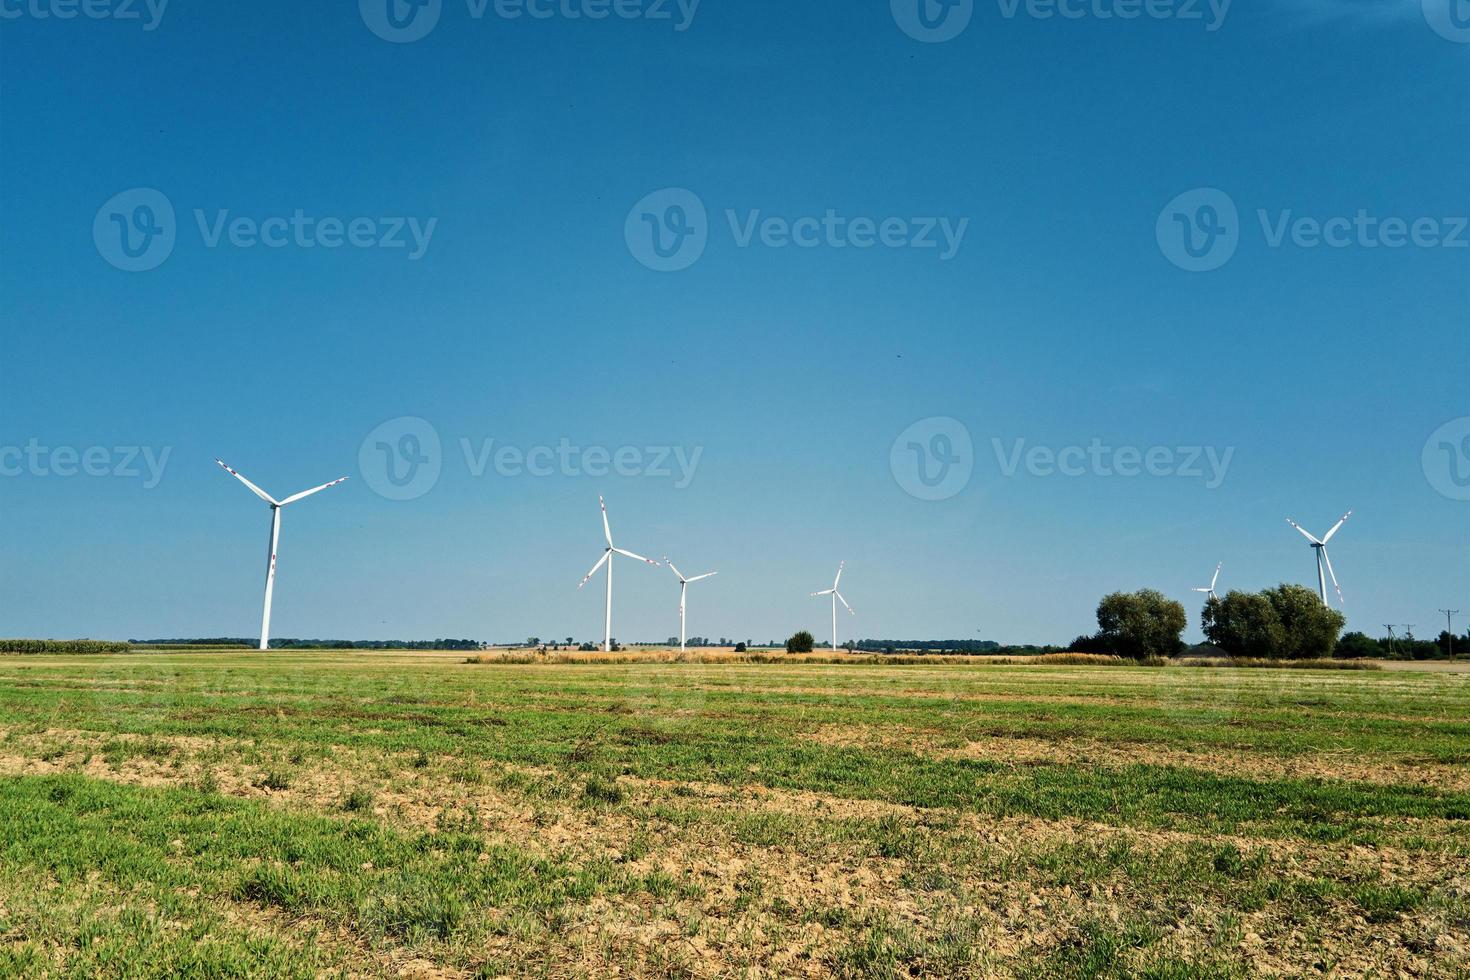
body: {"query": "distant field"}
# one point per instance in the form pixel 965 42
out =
pixel 301 813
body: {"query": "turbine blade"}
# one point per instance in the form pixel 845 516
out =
pixel 1217 576
pixel 673 569
pixel 823 592
pixel 606 529
pixel 1305 533
pixel 700 578
pixel 1340 599
pixel 253 488
pixel 838 580
pixel 600 562
pixel 307 493
pixel 1336 527
pixel 630 554
pixel 843 601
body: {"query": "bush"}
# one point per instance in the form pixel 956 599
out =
pixel 740 648
pixel 800 642
pixel 1139 624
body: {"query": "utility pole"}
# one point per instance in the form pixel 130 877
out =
pixel 1389 627
pixel 1449 628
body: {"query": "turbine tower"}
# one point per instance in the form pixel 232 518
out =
pixel 1210 591
pixel 683 590
pixel 1320 547
pixel 606 559
pixel 836 596
pixel 270 565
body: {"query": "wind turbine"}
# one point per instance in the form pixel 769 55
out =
pixel 683 589
pixel 270 567
pixel 1210 592
pixel 606 559
pixel 1320 547
pixel 835 597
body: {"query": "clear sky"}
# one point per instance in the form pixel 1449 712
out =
pixel 504 285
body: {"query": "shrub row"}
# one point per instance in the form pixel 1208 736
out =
pixel 64 646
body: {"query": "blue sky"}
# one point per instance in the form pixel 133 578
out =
pixel 525 149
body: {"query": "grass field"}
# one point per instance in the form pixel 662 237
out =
pixel 300 814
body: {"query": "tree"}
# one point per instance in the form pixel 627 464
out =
pixel 740 648
pixel 801 642
pixel 1311 628
pixel 1357 646
pixel 1288 622
pixel 1244 624
pixel 1141 624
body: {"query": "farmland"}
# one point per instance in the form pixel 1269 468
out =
pixel 413 814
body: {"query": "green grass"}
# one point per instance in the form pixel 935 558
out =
pixel 289 813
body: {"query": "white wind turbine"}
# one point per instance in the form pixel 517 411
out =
pixel 836 596
pixel 270 567
pixel 606 559
pixel 1320 547
pixel 1210 592
pixel 683 590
